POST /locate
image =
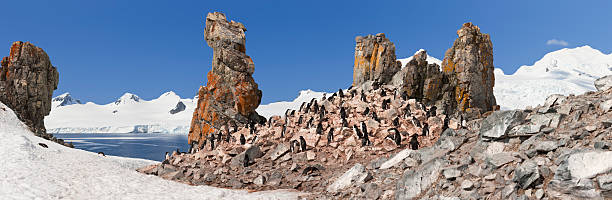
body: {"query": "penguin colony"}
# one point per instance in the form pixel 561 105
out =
pixel 323 136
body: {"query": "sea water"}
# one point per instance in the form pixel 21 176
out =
pixel 134 145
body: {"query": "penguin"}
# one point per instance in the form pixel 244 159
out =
pixel 293 147
pixel 330 135
pixel 463 122
pixel 344 123
pixel 375 117
pixel 324 97
pixel 414 143
pixel 340 93
pixel 364 128
pixel 322 109
pixel 353 93
pixel 309 122
pixel 331 99
pixel 242 139
pixel 342 113
pixel 302 106
pixel 407 112
pixel 404 95
pixel 321 115
pixel 363 97
pixel 283 130
pixel 416 122
pixel 212 141
pixel 398 138
pixel 101 154
pixel 254 139
pixel 299 122
pixel 43 145
pixel 432 111
pixel 307 109
pixel 235 128
pixel 246 160
pixel 445 124
pixel 383 93
pixel 302 144
pixel 384 105
pixel 251 130
pixel 293 113
pixel 167 156
pixel 219 137
pixel 396 122
pixel 425 129
pixel 366 111
pixel 319 128
pixel 357 131
pixel 315 107
pixel 269 122
pixel 365 141
pixel 350 87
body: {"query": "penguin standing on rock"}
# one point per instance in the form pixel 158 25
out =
pixel 330 135
pixel 396 122
pixel 340 93
pixel 364 128
pixel 366 111
pixel 375 117
pixel 425 129
pixel 294 146
pixel 283 131
pixel 363 97
pixel 414 143
pixel 342 113
pixel 344 123
pixel 357 131
pixel 365 141
pixel 167 156
pixel 302 144
pixel 242 139
pixel 246 160
pixel 319 128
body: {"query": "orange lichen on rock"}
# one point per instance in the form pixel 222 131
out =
pixel 469 66
pixel 230 94
pixel 374 59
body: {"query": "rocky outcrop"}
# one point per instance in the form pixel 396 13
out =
pixel 27 81
pixel 230 94
pixel 420 80
pixel 469 66
pixel 603 83
pixel 374 59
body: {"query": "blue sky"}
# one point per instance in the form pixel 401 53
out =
pixel 103 49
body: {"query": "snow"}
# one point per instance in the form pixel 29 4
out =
pixel 430 59
pixel 64 100
pixel 566 71
pixel 127 114
pixel 30 171
pixel 279 108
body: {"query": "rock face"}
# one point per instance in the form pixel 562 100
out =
pixel 374 59
pixel 465 83
pixel 231 94
pixel 469 66
pixel 420 80
pixel 27 81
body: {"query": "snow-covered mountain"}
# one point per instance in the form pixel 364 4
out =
pixel 128 114
pixel 64 100
pixel 566 71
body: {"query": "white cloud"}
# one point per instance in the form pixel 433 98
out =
pixel 557 42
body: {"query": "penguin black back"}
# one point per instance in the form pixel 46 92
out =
pixel 242 139
pixel 302 143
pixel 330 135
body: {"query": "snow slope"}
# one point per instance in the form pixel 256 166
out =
pixel 430 59
pixel 566 71
pixel 279 108
pixel 127 114
pixel 30 171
